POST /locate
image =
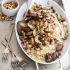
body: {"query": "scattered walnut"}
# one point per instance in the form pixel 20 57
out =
pixel 4 17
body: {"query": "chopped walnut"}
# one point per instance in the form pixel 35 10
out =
pixel 5 18
pixel 10 5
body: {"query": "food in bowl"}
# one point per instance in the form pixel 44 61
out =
pixel 43 33
pixel 10 5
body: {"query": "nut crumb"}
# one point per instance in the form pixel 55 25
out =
pixel 4 17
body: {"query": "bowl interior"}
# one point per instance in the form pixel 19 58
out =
pixel 44 3
pixel 6 1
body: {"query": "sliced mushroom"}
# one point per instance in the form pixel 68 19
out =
pixel 30 26
pixel 22 24
pixel 32 41
pixel 37 40
pixel 34 32
pixel 24 45
pixel 60 28
pixel 48 58
pixel 29 33
pixel 23 34
pixel 34 15
pixel 59 47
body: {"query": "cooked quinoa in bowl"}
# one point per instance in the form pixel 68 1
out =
pixel 43 33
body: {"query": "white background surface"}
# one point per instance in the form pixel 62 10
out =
pixel 67 8
pixel 4 29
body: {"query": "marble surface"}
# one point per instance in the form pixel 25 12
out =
pixel 4 30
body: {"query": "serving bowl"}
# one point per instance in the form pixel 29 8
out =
pixel 57 8
pixel 10 12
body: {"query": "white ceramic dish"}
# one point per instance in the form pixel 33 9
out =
pixel 45 3
pixel 10 12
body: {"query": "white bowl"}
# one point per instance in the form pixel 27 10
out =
pixel 10 12
pixel 42 2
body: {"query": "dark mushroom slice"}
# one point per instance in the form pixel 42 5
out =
pixel 24 45
pixel 55 55
pixel 20 26
pixel 59 47
pixel 48 58
pixel 36 45
pixel 34 16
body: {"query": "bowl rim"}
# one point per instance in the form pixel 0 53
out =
pixel 19 42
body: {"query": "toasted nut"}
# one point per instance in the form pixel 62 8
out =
pixel 4 17
pixel 10 5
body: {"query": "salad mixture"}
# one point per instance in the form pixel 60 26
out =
pixel 43 33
